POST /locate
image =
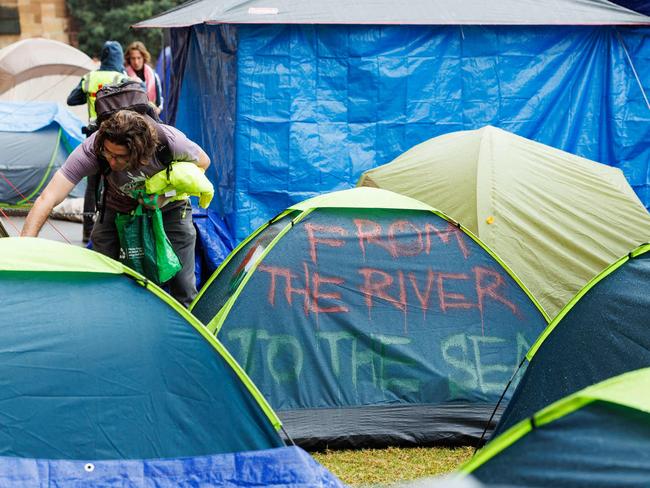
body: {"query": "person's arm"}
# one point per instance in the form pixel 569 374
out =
pixel 53 194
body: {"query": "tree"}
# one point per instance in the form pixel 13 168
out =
pixel 95 21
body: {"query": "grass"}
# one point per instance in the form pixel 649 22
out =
pixel 386 466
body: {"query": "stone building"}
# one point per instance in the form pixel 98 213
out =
pixel 22 19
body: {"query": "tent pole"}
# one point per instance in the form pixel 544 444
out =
pixel 496 407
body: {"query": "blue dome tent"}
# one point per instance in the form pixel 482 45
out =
pixel 601 333
pixel 367 318
pixel 294 99
pixel 107 379
pixel 36 138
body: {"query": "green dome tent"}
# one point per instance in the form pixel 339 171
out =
pixel 596 437
pixel 556 219
pixel 601 333
pixel 368 318
pixel 97 363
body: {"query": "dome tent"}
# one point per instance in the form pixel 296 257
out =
pixel 596 437
pixel 36 138
pixel 368 318
pixel 601 333
pixel 555 218
pixel 100 365
pixel 44 70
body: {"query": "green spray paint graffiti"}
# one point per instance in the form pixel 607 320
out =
pixel 379 360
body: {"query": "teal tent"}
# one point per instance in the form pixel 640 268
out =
pixel 368 318
pixel 596 437
pixel 97 363
pixel 601 333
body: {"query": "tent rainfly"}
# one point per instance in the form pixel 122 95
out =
pixel 596 437
pixel 555 218
pixel 601 333
pixel 107 379
pixel 368 318
pixel 42 70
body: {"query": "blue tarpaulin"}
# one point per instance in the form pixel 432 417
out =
pixel 33 116
pixel 290 111
pixel 281 467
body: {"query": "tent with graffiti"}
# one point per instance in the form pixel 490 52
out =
pixel 36 138
pixel 596 437
pixel 368 318
pixel 555 218
pixel 307 95
pixel 97 394
pixel 601 333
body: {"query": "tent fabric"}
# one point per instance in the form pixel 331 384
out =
pixel 42 70
pixel 213 242
pixel 306 109
pixel 33 116
pixel 600 335
pixel 337 309
pixel 606 424
pixel 137 381
pixel 415 12
pixel 36 138
pixel 557 219
pixel 274 468
pixel 33 58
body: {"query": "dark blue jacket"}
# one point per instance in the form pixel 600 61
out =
pixel 112 59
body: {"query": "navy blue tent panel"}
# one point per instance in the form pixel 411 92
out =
pixel 283 467
pixel 606 333
pixel 297 110
pixel 94 366
pixel 395 311
pixel 601 445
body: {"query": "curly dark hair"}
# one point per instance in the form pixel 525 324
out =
pixel 132 130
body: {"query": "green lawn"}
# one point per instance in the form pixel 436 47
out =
pixel 385 466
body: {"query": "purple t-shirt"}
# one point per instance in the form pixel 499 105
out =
pixel 120 184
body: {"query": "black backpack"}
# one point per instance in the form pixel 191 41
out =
pixel 128 95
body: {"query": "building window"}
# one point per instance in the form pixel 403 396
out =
pixel 9 21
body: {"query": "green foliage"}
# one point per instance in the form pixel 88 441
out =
pixel 97 21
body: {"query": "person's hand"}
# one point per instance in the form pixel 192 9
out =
pixel 152 203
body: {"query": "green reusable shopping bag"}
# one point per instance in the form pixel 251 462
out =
pixel 137 242
pixel 144 246
pixel 166 259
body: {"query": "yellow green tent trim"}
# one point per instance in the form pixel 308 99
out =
pixel 630 390
pixel 216 323
pixel 48 170
pixel 233 253
pixel 364 197
pixel 606 272
pixel 33 254
pixel 40 255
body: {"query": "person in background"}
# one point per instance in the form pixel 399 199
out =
pixel 111 71
pixel 136 61
pixel 127 143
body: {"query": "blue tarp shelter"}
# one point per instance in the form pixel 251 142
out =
pixel 297 98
